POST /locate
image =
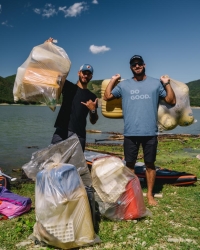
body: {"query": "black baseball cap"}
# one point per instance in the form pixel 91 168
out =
pixel 136 57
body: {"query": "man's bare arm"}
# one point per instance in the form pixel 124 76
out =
pixel 170 98
pixel 108 95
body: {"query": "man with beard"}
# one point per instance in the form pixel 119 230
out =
pixel 140 98
pixel 77 102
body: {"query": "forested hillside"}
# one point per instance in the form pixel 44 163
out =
pixel 7 83
pixel 95 87
pixel 6 89
pixel 194 88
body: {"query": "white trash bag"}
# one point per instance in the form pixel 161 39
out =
pixel 67 151
pixel 118 189
pixel 180 114
pixel 63 216
pixel 41 77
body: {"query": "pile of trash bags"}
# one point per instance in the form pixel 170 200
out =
pixel 67 215
pixel 63 196
pixel 41 77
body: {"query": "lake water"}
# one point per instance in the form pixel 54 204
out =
pixel 25 129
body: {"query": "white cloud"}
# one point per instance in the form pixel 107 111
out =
pixel 48 10
pixel 63 9
pixel 99 49
pixel 95 2
pixel 37 11
pixel 6 24
pixel 74 10
pixel 0 8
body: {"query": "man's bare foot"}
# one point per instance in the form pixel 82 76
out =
pixel 151 200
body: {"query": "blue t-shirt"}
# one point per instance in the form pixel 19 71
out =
pixel 140 101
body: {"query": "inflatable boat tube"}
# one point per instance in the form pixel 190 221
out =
pixel 163 175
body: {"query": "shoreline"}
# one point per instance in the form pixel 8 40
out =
pixel 16 104
pixel 57 105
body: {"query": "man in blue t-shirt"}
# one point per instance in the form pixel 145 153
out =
pixel 140 98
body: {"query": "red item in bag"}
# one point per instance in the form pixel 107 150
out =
pixel 131 203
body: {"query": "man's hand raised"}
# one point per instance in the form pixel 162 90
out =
pixel 90 104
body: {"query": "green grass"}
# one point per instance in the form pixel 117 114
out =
pixel 174 223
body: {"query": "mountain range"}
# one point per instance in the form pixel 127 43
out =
pixel 7 83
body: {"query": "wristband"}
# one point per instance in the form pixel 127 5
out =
pixel 165 84
pixel 93 111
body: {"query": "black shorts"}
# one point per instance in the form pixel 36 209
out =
pixel 132 144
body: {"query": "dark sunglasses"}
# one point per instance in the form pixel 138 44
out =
pixel 86 72
pixel 137 63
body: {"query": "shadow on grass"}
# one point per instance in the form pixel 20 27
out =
pixel 156 189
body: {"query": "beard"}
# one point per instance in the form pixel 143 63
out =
pixel 139 74
pixel 83 82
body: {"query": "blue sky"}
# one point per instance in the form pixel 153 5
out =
pixel 105 34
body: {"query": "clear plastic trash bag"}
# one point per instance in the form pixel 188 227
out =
pixel 41 77
pixel 67 151
pixel 63 216
pixel 181 114
pixel 118 188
